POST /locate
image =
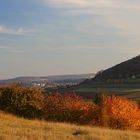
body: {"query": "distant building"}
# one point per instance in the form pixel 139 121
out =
pixel 39 84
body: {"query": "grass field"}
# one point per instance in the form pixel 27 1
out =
pixel 131 91
pixel 13 128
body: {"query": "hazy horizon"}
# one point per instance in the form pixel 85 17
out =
pixel 58 37
pixel 51 75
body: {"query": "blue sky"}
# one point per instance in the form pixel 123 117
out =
pixel 46 37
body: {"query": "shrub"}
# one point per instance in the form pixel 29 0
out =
pixel 69 108
pixel 118 112
pixel 22 101
pixel 113 112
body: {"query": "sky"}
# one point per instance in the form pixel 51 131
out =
pixel 55 37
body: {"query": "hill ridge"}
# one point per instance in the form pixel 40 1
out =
pixel 127 69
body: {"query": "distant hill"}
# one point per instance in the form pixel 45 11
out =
pixel 125 70
pixel 49 79
pixel 122 80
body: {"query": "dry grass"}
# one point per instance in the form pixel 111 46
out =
pixel 13 128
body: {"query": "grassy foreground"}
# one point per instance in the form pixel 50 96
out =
pixel 13 128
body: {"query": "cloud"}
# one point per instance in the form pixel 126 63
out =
pixel 67 3
pixel 11 49
pixel 92 3
pixel 74 3
pixel 101 23
pixel 12 31
pixel 83 3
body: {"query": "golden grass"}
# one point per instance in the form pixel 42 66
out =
pixel 13 128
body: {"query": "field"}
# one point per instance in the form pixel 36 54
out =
pixel 129 90
pixel 13 128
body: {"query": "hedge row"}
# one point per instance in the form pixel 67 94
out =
pixel 113 112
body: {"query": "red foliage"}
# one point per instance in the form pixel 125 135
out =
pixel 119 113
pixel 113 112
pixel 22 101
pixel 69 108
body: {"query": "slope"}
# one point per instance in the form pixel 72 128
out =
pixel 13 128
pixel 125 70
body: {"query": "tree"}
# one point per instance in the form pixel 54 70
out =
pixel 22 101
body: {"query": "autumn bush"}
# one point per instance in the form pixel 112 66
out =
pixel 68 108
pixel 105 111
pixel 119 113
pixel 113 112
pixel 22 101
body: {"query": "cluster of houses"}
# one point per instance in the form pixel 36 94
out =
pixel 51 85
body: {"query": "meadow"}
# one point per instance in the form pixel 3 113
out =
pixel 14 128
pixel 130 90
